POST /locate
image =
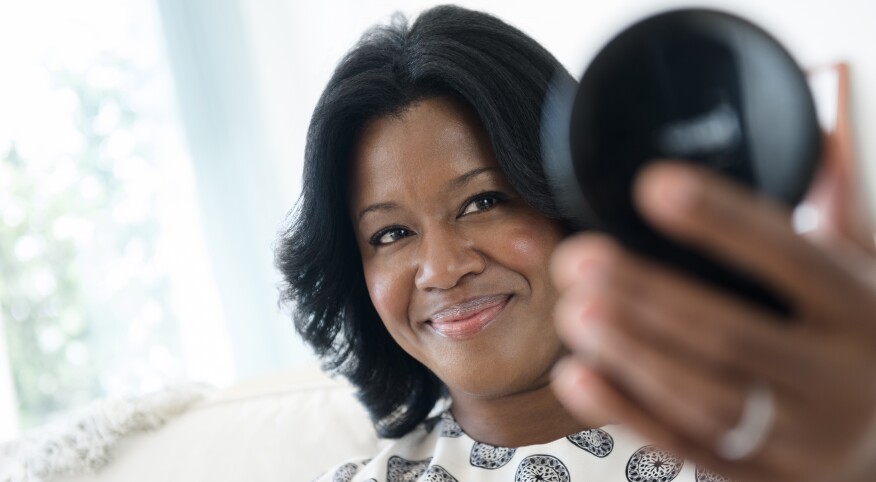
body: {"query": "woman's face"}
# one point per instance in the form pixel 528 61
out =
pixel 455 261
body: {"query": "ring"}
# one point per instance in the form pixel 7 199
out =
pixel 754 424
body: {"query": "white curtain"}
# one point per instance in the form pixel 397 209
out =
pixel 242 198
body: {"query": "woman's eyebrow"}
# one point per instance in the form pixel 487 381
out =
pixel 465 178
pixel 454 183
pixel 387 206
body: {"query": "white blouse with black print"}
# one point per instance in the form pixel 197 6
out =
pixel 439 451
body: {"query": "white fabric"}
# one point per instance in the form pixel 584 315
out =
pixel 439 451
pixel 287 427
pixel 83 443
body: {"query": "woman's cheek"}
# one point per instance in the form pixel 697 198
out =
pixel 523 246
pixel 534 243
pixel 389 296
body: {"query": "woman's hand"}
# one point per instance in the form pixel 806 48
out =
pixel 675 360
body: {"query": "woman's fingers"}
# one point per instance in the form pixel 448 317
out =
pixel 803 441
pixel 685 355
pixel 678 372
pixel 679 315
pixel 836 193
pixel 588 396
pixel 746 231
pixel 681 392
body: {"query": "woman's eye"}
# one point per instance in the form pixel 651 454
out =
pixel 482 202
pixel 389 236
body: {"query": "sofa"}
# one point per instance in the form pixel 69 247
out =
pixel 291 427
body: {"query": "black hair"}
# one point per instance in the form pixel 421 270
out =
pixel 503 75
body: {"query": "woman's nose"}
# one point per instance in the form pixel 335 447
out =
pixel 444 258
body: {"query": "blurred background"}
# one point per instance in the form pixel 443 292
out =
pixel 150 150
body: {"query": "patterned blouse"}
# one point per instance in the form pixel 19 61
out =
pixel 439 451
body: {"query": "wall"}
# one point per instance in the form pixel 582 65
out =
pixel 297 44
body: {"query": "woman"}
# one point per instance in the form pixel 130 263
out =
pixel 419 260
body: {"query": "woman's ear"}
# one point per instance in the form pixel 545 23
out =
pixel 836 194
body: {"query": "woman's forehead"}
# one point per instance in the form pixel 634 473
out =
pixel 429 144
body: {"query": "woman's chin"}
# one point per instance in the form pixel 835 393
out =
pixel 497 378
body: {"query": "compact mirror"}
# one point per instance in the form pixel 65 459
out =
pixel 693 84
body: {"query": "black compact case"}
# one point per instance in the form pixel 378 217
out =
pixel 697 85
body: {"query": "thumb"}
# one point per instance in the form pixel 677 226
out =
pixel 835 193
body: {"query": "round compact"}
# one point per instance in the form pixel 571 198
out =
pixel 696 85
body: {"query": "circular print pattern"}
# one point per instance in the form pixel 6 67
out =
pixel 541 468
pixel 449 427
pixel 437 473
pixel 704 475
pixel 596 441
pixel 487 456
pixel 345 472
pixel 399 469
pixel 651 464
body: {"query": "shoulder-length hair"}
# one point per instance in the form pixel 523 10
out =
pixel 448 51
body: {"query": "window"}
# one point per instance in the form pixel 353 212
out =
pixel 101 255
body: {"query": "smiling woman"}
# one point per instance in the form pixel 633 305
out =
pixel 419 258
pixel 423 273
pixel 455 260
pixel 441 119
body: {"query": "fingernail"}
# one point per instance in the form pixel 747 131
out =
pixel 591 267
pixel 673 188
pixel 561 367
pixel 680 188
pixel 594 273
pixel 568 374
pixel 583 338
pixel 591 313
pixel 564 370
pixel 589 342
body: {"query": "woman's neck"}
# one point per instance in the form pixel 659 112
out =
pixel 524 418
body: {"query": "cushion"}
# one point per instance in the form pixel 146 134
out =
pixel 291 426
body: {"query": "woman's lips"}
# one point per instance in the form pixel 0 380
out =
pixel 469 318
